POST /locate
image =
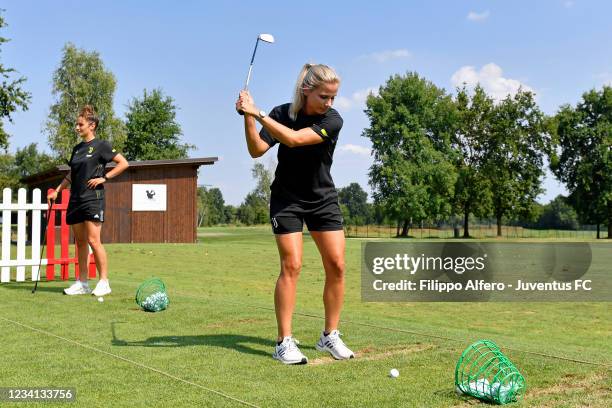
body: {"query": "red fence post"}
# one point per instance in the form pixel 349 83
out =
pixel 51 242
pixel 64 235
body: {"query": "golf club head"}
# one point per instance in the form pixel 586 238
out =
pixel 269 38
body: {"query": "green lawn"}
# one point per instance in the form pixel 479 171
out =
pixel 214 343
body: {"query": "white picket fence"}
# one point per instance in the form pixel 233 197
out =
pixel 21 207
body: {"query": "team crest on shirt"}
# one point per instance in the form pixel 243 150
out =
pixel 90 150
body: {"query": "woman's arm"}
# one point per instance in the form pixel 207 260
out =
pixel 280 132
pixel 255 145
pixel 65 182
pixel 122 164
pixel 287 136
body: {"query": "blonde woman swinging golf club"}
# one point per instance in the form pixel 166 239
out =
pixel 303 191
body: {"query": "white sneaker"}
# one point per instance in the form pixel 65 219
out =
pixel 334 345
pixel 288 352
pixel 78 288
pixel 102 288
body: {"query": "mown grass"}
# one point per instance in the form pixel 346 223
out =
pixel 217 336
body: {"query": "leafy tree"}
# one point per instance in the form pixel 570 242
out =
pixel 12 95
pixel 558 214
pixel 30 161
pixel 354 198
pixel 229 214
pixel 254 209
pixel 411 124
pixel 152 130
pixel 515 155
pixel 82 79
pixel 211 207
pixel 582 158
pixel 473 188
pixel 264 179
pixel 25 162
pixel 9 177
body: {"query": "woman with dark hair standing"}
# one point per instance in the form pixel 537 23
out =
pixel 86 206
pixel 303 191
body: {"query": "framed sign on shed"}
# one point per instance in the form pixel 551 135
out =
pixel 148 197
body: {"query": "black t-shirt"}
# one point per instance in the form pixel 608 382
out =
pixel 303 172
pixel 87 161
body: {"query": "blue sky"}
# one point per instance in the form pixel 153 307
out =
pixel 198 53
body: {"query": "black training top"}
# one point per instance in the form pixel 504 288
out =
pixel 87 161
pixel 303 172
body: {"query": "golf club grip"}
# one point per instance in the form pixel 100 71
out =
pixel 241 112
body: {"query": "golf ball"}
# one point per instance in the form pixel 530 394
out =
pixel 100 299
pixel 394 373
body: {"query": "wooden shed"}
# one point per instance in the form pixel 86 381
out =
pixel 152 201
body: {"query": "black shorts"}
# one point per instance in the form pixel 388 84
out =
pixel 287 217
pixel 78 212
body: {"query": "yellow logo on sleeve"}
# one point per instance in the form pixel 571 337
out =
pixel 324 132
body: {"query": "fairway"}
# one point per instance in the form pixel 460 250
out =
pixel 213 345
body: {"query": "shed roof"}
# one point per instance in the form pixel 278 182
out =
pixel 63 168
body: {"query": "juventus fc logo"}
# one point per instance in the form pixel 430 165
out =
pixel 274 223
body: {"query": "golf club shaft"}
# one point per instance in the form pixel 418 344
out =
pixel 248 78
pixel 49 207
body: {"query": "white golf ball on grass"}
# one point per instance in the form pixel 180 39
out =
pixel 100 299
pixel 394 373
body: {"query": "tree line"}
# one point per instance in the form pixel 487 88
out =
pixel 439 156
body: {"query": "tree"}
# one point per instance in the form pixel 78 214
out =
pixel 355 200
pixel 473 188
pixel 12 95
pixel 413 175
pixel 211 207
pixel 254 208
pixel 82 79
pixel 152 130
pixel 25 162
pixel 264 179
pixel 558 214
pixel 8 174
pixel 582 158
pixel 229 214
pixel 515 154
pixel 30 161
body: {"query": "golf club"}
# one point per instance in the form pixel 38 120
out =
pixel 269 38
pixel 42 247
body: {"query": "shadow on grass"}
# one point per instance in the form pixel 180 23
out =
pixel 28 286
pixel 236 342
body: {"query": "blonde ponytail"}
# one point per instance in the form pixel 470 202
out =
pixel 310 77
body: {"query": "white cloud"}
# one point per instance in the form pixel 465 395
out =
pixel 357 99
pixel 474 16
pixel 490 78
pixel 384 56
pixel 355 149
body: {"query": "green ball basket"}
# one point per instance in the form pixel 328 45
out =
pixel 484 372
pixel 151 295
